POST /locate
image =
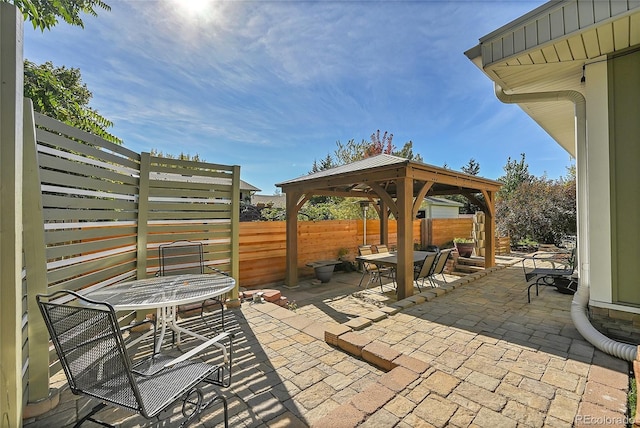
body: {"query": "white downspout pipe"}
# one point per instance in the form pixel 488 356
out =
pixel 581 298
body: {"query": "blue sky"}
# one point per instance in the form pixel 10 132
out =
pixel 273 85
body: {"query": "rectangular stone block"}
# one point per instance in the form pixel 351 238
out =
pixel 429 295
pixel 332 333
pixel 380 355
pixel 404 304
pixel 390 310
pixel 417 299
pixel 375 315
pixel 358 323
pixel 353 343
pixel 413 364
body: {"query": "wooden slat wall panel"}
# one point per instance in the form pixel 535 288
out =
pixel 444 230
pixel 263 246
pixel 190 201
pixel 503 245
pixel 95 196
pixel 89 189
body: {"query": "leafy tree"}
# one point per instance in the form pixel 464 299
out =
pixel 379 145
pixel 516 173
pixel 58 92
pixel 44 14
pixel 539 209
pixel 471 168
pixel 353 151
pixel 350 152
pixel 181 156
pixel 407 152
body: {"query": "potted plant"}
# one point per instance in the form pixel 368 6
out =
pixel 464 246
pixel 344 255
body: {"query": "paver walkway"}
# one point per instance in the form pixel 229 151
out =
pixel 477 355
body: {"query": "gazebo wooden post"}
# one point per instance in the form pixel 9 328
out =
pixel 384 223
pixel 291 275
pixel 404 202
pixel 489 230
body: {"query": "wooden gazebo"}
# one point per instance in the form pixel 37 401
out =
pixel 396 186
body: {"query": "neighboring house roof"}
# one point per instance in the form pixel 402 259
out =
pixel 546 50
pixel 277 201
pixel 244 186
pixel 443 202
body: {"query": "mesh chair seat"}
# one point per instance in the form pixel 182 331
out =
pixel 164 388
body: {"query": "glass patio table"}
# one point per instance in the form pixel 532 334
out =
pixel 165 294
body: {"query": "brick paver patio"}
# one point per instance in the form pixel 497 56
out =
pixel 466 354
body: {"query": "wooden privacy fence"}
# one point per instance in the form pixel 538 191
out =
pixel 263 245
pixel 95 213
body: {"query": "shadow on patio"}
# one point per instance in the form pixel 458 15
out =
pixel 487 359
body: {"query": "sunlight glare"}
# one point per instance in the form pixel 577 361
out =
pixel 195 7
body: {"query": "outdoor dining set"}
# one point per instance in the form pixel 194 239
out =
pixel 383 263
pixel 98 355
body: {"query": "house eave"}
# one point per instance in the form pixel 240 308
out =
pixel 546 50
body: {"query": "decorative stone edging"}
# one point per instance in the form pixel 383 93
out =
pixel 401 370
pixel 344 335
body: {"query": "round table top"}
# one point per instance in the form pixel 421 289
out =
pixel 162 291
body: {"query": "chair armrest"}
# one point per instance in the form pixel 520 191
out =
pixel 215 341
pixel 211 342
pixel 137 324
pixel 546 258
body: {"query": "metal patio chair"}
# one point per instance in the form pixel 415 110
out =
pixel 374 271
pixel 423 272
pixel 387 271
pixel 439 265
pixel 551 269
pixel 185 257
pixel 94 357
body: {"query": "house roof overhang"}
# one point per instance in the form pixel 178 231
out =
pixel 546 50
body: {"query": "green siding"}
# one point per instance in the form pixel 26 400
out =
pixel 624 84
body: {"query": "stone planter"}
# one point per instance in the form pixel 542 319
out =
pixel 324 269
pixel 324 273
pixel 465 249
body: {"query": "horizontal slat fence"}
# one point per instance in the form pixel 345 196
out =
pixel 441 231
pixel 263 246
pixel 99 213
pixel 503 245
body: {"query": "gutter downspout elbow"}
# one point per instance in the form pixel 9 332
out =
pixel 581 298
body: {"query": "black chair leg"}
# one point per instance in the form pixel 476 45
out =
pixel 89 417
pixel 202 312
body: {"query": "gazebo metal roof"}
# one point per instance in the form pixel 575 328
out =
pixel 399 185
